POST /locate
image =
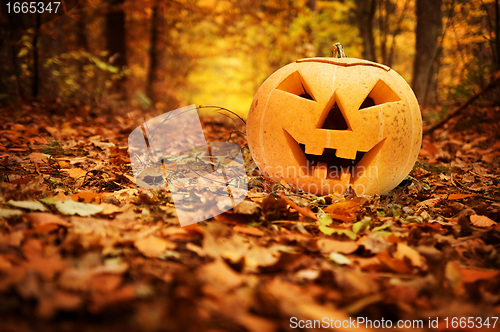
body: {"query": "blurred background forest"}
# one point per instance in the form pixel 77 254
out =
pixel 144 54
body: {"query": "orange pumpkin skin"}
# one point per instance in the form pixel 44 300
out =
pixel 328 125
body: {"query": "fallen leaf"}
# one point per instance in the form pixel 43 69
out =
pixel 98 301
pixel 105 282
pixel 326 246
pixel 248 230
pixel 473 275
pixel 76 173
pixel 153 246
pixel 340 231
pixel 8 213
pixel 247 208
pixel 404 251
pixel 304 210
pixel 374 243
pixel 339 258
pixel 459 196
pixel 73 208
pixel 362 225
pixel 432 202
pixel 218 274
pixel 59 300
pixel 481 221
pixel 63 164
pixel 28 205
pixel 454 277
pixel 13 239
pixel 108 209
pixel 45 222
pixel 5 264
pixel 87 197
pixel 37 157
pixel 396 265
pixel 344 211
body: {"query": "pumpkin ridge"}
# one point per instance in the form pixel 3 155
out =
pixel 345 62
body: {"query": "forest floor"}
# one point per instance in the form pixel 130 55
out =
pixel 83 248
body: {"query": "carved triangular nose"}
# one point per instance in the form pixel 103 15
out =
pixel 335 120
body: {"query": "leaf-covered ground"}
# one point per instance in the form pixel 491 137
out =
pixel 82 248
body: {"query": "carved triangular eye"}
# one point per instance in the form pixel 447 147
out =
pixel 296 85
pixel 380 94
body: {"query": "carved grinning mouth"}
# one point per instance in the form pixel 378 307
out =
pixel 332 161
pixel 328 165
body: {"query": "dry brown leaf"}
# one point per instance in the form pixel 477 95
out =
pixel 105 282
pixel 432 202
pixel 293 301
pixel 59 300
pixel 404 251
pixel 108 209
pixel 396 265
pixel 32 249
pixel 76 173
pixel 248 230
pixel 101 300
pixel 39 220
pixel 219 274
pixel 428 148
pixel 47 267
pixel 327 246
pixel 344 211
pixel 459 196
pixel 473 275
pixel 454 277
pixel 37 157
pixel 13 239
pixel 75 279
pixel 481 221
pixel 5 264
pixel 152 246
pixel 87 197
pixel 304 210
pixel 218 242
pixel 63 164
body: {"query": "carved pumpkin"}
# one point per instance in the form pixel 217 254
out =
pixel 328 125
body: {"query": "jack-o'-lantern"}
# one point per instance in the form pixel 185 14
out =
pixel 328 125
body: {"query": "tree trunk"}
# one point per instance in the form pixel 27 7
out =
pixel 156 53
pixel 365 12
pixel 497 34
pixel 311 4
pixel 427 50
pixel 35 83
pixel 116 41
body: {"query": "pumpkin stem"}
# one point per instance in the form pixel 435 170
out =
pixel 338 51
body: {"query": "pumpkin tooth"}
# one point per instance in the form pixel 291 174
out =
pixel 321 170
pixel 345 178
